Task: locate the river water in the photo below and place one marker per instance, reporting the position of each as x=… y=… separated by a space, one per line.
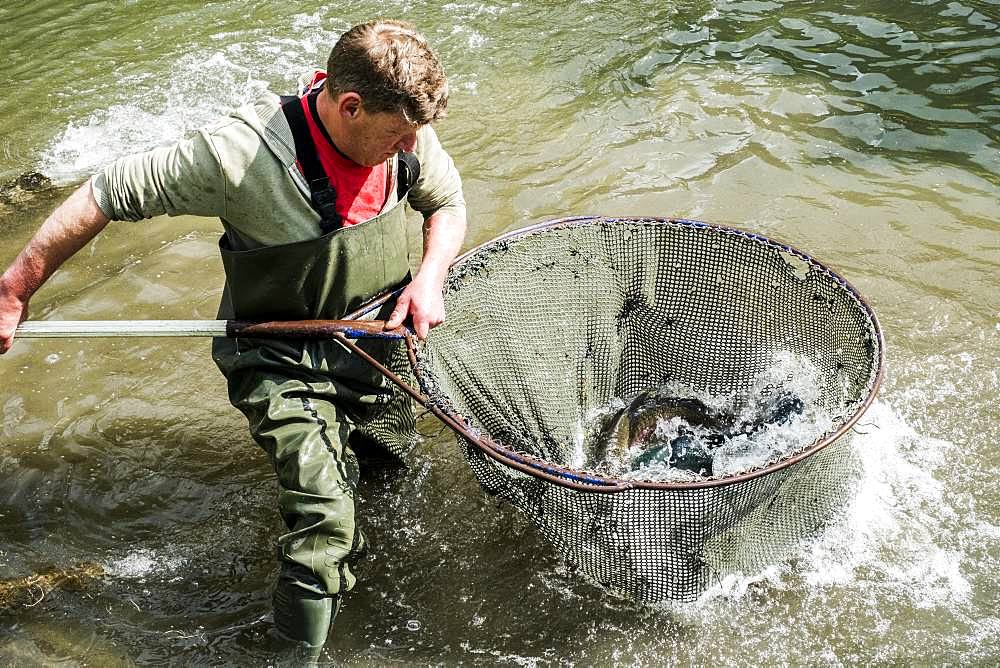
x=865 y=133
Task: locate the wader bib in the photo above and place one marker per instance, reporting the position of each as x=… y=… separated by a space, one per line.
x=303 y=399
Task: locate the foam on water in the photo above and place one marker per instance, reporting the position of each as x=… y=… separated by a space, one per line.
x=889 y=573
x=142 y=563
x=895 y=524
x=202 y=87
x=892 y=533
x=201 y=84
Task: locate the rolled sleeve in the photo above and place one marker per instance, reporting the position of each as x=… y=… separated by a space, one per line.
x=439 y=188
x=185 y=178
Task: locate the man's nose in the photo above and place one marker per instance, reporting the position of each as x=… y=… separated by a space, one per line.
x=408 y=142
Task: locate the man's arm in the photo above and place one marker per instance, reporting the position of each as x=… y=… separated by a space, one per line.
x=437 y=194
x=422 y=299
x=74 y=223
x=186 y=177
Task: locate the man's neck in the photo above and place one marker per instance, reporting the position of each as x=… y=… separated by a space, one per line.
x=332 y=122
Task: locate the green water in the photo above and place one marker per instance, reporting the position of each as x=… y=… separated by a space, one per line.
x=865 y=133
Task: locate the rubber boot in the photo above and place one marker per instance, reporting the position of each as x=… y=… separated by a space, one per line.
x=302 y=618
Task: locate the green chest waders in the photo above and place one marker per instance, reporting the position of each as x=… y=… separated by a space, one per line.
x=304 y=399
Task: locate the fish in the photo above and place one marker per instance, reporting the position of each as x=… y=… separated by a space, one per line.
x=686 y=452
x=781 y=409
x=702 y=429
x=635 y=425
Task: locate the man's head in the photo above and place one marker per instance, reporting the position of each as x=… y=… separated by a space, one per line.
x=393 y=70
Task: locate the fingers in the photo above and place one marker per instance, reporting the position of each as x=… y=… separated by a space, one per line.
x=423 y=322
x=6 y=339
x=424 y=306
x=12 y=314
x=399 y=313
x=7 y=336
x=421 y=328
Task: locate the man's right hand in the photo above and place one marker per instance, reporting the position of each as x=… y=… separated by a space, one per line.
x=74 y=222
x=13 y=311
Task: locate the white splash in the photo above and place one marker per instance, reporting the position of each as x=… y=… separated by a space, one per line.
x=202 y=85
x=201 y=89
x=893 y=533
x=142 y=563
x=894 y=525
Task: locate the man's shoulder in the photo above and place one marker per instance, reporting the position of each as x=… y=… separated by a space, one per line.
x=252 y=115
x=252 y=125
x=428 y=144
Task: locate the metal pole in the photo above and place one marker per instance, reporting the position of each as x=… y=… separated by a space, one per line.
x=289 y=329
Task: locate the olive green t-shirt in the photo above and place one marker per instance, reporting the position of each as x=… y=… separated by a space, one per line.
x=242 y=169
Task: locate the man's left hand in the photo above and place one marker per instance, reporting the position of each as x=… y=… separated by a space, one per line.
x=422 y=301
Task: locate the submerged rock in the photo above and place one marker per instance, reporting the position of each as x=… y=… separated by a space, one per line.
x=21 y=189
x=31 y=589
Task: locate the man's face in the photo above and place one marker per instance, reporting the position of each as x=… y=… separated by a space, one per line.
x=376 y=137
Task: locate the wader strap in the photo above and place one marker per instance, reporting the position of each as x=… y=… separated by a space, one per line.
x=324 y=197
x=408 y=171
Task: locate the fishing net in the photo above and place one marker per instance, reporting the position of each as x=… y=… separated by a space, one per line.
x=549 y=324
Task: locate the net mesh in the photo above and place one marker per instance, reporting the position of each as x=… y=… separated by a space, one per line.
x=548 y=324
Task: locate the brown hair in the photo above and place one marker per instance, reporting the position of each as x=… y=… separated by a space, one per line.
x=391 y=66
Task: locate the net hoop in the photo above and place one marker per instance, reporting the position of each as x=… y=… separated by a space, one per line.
x=594 y=482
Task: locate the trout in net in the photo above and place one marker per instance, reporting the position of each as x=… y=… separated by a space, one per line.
x=634 y=435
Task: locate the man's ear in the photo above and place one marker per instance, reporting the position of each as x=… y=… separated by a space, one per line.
x=349 y=105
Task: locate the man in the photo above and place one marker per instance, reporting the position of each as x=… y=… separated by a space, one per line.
x=310 y=191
